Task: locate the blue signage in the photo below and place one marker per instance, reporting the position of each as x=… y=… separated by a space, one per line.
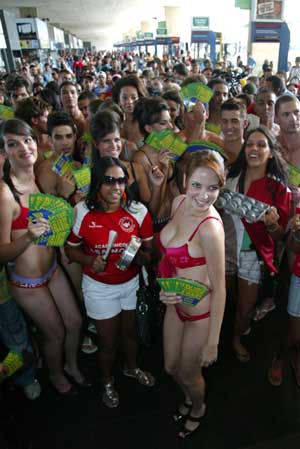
x=266 y=31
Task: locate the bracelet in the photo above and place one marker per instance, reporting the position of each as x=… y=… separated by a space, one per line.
x=272 y=228
x=297 y=240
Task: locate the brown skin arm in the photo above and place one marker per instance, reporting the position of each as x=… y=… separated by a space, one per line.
x=47 y=180
x=76 y=254
x=141 y=159
x=144 y=255
x=141 y=175
x=79 y=120
x=270 y=219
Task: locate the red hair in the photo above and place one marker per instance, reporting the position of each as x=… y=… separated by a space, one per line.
x=209 y=159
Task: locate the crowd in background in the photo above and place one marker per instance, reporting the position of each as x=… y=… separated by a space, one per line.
x=99 y=109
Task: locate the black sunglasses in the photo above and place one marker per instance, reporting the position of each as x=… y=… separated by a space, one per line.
x=110 y=180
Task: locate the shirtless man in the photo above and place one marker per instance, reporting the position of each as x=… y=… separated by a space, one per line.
x=195 y=126
x=287 y=116
x=69 y=100
x=221 y=94
x=35 y=112
x=17 y=88
x=233 y=124
x=62 y=132
x=264 y=108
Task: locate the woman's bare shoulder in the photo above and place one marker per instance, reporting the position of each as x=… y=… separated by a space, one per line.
x=5 y=192
x=212 y=224
x=8 y=204
x=176 y=201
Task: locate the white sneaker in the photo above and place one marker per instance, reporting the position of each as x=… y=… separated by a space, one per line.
x=33 y=390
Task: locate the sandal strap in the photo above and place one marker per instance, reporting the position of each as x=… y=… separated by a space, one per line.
x=194 y=418
x=143 y=377
x=187 y=405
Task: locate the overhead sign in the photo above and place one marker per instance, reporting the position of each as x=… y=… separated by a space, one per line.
x=243 y=4
x=200 y=23
x=269 y=10
x=139 y=35
x=200 y=36
x=162 y=24
x=27 y=30
x=167 y=40
x=266 y=31
x=27 y=34
x=161 y=32
x=148 y=35
x=149 y=41
x=33 y=33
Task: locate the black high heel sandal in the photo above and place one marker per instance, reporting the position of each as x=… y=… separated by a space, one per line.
x=178 y=416
x=188 y=433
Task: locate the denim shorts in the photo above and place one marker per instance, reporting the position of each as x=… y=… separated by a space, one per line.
x=293 y=307
x=248 y=267
x=13 y=334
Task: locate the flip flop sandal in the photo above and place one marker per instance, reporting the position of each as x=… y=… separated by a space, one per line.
x=261 y=312
x=275 y=373
x=242 y=357
x=88 y=346
x=143 y=377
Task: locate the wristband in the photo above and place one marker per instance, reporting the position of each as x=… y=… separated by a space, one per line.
x=297 y=240
x=272 y=228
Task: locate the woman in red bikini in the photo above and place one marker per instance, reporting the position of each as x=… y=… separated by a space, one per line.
x=37 y=283
x=192 y=244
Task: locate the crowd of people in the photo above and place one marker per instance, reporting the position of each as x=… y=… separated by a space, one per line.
x=99 y=111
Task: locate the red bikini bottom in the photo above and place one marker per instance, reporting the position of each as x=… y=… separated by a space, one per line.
x=184 y=317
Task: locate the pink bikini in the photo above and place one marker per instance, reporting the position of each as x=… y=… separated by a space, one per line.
x=179 y=257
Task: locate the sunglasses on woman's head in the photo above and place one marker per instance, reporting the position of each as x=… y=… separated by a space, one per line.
x=110 y=180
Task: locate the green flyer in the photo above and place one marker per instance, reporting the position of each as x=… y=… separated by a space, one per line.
x=62 y=164
x=190 y=291
x=166 y=139
x=193 y=92
x=58 y=212
x=82 y=178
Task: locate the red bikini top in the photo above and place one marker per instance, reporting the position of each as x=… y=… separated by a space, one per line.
x=21 y=222
x=179 y=256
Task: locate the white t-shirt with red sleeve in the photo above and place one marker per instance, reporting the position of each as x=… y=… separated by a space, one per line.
x=91 y=230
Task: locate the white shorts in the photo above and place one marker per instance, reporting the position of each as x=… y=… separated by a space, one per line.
x=103 y=301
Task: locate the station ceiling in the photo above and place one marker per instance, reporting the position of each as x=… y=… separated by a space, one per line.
x=90 y=19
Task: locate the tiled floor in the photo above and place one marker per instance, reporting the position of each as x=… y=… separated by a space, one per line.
x=243 y=410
